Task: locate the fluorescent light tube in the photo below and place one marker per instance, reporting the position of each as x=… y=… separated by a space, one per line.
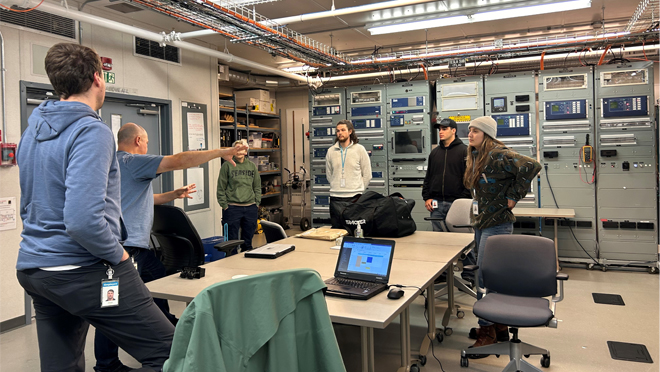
x=419 y=25
x=531 y=10
x=483 y=16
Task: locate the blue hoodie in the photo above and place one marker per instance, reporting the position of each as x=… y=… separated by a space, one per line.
x=70 y=189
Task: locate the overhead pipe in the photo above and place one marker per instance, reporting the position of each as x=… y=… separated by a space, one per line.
x=153 y=36
x=344 y=11
x=320 y=81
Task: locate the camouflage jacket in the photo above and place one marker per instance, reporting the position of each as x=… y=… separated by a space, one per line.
x=507 y=175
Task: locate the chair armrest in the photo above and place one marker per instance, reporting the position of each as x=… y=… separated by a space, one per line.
x=562 y=276
x=470 y=267
x=433 y=219
x=228 y=246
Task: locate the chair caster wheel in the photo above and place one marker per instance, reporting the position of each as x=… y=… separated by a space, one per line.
x=653 y=270
x=460 y=314
x=440 y=337
x=448 y=331
x=545 y=361
x=465 y=362
x=604 y=268
x=473 y=334
x=590 y=266
x=422 y=360
x=414 y=368
x=526 y=355
x=497 y=355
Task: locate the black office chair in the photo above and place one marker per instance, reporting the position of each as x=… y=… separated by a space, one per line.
x=518 y=272
x=458 y=220
x=273 y=231
x=178 y=241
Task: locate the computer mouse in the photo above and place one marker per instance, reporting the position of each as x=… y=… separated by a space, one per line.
x=395 y=293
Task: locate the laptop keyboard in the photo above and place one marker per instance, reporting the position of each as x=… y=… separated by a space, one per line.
x=353 y=283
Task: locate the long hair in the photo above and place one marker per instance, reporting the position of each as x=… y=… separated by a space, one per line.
x=477 y=162
x=349 y=126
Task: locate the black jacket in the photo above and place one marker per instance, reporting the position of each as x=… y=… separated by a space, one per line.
x=444 y=175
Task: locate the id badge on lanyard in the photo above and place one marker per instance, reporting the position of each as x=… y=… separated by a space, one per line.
x=110 y=290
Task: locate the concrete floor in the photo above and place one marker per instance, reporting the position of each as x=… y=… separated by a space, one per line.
x=578 y=344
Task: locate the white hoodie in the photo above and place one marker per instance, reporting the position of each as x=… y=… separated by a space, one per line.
x=357 y=170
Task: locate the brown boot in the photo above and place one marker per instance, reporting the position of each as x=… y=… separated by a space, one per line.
x=485 y=336
x=501 y=333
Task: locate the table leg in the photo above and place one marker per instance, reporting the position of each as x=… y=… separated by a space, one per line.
x=450 y=294
x=367 y=346
x=430 y=310
x=405 y=340
x=557 y=245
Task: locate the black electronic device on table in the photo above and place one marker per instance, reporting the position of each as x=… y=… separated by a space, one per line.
x=363 y=268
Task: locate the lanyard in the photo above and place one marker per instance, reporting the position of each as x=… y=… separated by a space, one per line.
x=343 y=157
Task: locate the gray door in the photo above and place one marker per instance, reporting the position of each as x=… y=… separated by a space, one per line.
x=146 y=115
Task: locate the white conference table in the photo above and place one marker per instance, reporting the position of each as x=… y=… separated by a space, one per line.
x=418 y=260
x=553 y=213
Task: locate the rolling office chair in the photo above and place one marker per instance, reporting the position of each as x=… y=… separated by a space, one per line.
x=273 y=231
x=458 y=220
x=518 y=272
x=178 y=241
x=283 y=325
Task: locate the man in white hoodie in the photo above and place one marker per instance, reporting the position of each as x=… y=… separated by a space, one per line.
x=348 y=168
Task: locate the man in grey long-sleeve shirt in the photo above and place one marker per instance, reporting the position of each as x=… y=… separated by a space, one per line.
x=348 y=169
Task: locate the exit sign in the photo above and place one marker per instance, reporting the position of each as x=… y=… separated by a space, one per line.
x=109 y=77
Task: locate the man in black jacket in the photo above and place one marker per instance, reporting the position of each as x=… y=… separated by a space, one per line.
x=444 y=178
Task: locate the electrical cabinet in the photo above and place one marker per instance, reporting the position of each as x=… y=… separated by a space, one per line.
x=566 y=115
x=626 y=164
x=409 y=142
x=460 y=99
x=326 y=108
x=366 y=110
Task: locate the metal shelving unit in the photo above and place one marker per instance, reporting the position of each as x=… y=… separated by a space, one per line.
x=274 y=199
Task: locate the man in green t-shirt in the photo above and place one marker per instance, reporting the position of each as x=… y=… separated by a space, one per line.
x=239 y=195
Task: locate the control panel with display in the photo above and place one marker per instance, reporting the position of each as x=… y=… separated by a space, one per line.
x=569 y=109
x=512 y=125
x=498 y=104
x=625 y=106
x=326 y=110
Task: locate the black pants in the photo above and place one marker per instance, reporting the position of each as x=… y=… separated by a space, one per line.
x=66 y=302
x=149 y=268
x=244 y=218
x=337 y=206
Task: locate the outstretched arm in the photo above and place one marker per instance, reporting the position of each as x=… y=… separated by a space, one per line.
x=189 y=159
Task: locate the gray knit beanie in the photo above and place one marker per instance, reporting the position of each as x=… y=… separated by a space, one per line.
x=486 y=124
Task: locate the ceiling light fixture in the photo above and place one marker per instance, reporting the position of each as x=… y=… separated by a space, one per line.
x=482 y=16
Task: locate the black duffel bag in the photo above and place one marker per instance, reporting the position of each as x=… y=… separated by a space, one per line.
x=379 y=215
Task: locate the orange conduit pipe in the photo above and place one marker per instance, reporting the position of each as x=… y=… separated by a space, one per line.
x=600 y=61
x=426 y=75
x=542 y=57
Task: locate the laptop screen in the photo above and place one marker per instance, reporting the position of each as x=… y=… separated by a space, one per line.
x=365 y=259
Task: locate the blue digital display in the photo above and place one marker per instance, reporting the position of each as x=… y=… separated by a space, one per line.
x=396 y=121
x=320 y=153
x=562 y=110
x=625 y=106
x=326 y=110
x=512 y=125
x=321 y=180
x=366 y=123
x=377 y=174
x=408 y=101
x=366 y=111
x=324 y=132
x=321 y=200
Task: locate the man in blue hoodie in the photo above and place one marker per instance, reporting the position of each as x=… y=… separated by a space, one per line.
x=71 y=252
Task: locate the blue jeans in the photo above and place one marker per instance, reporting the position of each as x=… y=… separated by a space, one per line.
x=244 y=218
x=480 y=237
x=150 y=268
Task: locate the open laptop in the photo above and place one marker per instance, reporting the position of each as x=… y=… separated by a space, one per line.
x=363 y=268
x=270 y=250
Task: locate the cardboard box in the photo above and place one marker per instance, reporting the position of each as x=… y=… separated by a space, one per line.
x=240 y=103
x=273 y=106
x=259 y=94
